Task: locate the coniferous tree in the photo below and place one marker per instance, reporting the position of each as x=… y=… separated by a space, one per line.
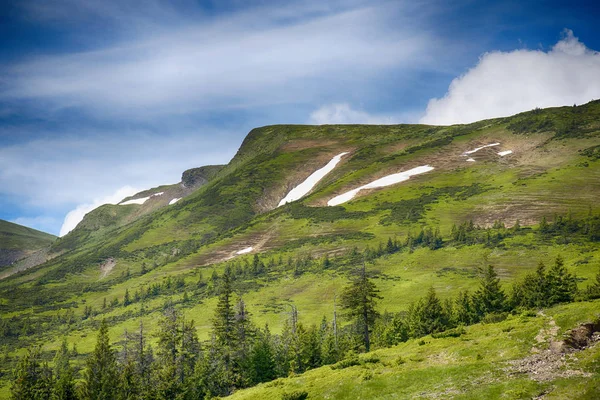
x=490 y=296
x=359 y=300
x=224 y=320
x=64 y=384
x=126 y=298
x=562 y=285
x=100 y=375
x=593 y=290
x=262 y=359
x=428 y=315
x=32 y=379
x=177 y=354
x=465 y=313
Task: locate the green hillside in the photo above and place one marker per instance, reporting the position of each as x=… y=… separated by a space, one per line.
x=17 y=242
x=438 y=229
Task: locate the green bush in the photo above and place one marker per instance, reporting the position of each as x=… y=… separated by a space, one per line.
x=295 y=396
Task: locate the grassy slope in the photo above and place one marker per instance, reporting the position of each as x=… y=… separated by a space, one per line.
x=475 y=365
x=21 y=241
x=547 y=174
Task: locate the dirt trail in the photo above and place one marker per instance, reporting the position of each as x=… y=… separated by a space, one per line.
x=549 y=357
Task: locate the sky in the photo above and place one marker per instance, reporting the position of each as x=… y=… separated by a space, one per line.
x=100 y=99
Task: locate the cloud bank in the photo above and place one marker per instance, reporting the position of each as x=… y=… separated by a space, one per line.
x=506 y=83
x=343 y=113
x=75 y=216
x=255 y=57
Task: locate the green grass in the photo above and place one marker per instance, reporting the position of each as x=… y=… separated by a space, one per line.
x=553 y=171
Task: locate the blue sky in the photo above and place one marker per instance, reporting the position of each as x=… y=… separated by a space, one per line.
x=99 y=99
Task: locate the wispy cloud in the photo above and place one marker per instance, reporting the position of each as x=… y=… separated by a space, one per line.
x=238 y=60
x=343 y=113
x=506 y=83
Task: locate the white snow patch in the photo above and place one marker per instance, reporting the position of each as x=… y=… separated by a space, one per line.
x=470 y=160
x=381 y=182
x=245 y=251
x=505 y=153
x=174 y=201
x=479 y=148
x=141 y=200
x=302 y=189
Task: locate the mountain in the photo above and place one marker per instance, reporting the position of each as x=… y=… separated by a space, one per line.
x=18 y=242
x=421 y=206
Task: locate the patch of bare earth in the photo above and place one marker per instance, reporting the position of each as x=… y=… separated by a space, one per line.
x=107 y=266
x=551 y=358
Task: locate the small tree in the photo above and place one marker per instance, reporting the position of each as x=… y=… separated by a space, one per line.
x=64 y=385
x=490 y=297
x=562 y=285
x=359 y=300
x=100 y=376
x=32 y=379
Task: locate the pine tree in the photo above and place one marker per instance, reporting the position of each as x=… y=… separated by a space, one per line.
x=262 y=360
x=32 y=379
x=64 y=384
x=224 y=320
x=562 y=285
x=428 y=315
x=465 y=312
x=593 y=290
x=490 y=297
x=100 y=375
x=126 y=299
x=535 y=289
x=359 y=300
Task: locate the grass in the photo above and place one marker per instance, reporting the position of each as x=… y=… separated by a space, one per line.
x=551 y=172
x=472 y=366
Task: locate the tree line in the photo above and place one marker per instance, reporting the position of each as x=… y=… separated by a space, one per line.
x=240 y=355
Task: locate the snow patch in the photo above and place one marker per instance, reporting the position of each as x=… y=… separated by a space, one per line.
x=174 y=201
x=479 y=148
x=135 y=201
x=302 y=189
x=141 y=200
x=505 y=153
x=381 y=182
x=470 y=160
x=245 y=251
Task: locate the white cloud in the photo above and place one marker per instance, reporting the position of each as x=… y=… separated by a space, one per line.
x=342 y=113
x=249 y=58
x=75 y=216
x=54 y=175
x=506 y=83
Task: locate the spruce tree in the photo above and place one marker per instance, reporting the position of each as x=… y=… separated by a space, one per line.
x=64 y=385
x=562 y=285
x=224 y=320
x=100 y=375
x=359 y=300
x=465 y=313
x=262 y=360
x=32 y=379
x=490 y=297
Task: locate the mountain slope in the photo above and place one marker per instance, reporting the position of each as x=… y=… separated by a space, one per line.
x=175 y=254
x=17 y=242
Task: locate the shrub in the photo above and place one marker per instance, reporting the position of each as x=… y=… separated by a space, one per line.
x=295 y=396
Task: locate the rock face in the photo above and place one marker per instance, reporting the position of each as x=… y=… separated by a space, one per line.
x=196 y=177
